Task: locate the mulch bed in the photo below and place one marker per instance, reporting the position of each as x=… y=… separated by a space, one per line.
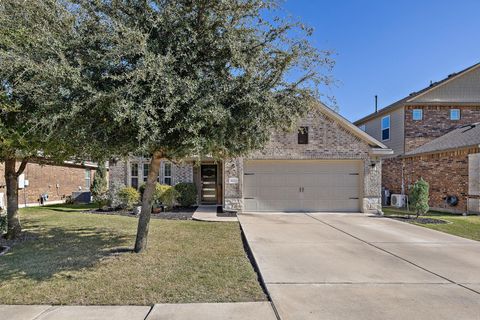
x=225 y=213
x=421 y=220
x=177 y=213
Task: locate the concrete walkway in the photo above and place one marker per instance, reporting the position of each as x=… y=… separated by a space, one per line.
x=351 y=266
x=209 y=213
x=198 y=311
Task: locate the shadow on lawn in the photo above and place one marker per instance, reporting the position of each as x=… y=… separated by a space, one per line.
x=56 y=250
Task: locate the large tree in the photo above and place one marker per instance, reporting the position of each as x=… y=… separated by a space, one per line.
x=202 y=77
x=49 y=67
x=32 y=42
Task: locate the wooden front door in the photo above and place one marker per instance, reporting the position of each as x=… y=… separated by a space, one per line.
x=208 y=174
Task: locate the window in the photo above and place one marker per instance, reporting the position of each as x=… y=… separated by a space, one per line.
x=88 y=178
x=454 y=114
x=303 y=135
x=146 y=166
x=363 y=127
x=386 y=128
x=417 y=114
x=167 y=173
x=134 y=175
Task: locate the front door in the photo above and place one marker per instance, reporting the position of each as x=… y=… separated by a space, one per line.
x=209 y=183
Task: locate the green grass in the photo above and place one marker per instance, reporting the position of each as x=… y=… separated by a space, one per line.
x=463 y=226
x=68 y=260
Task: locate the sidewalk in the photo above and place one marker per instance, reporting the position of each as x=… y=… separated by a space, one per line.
x=209 y=213
x=197 y=311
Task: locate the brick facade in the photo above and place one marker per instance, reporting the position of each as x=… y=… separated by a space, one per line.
x=446 y=172
x=56 y=181
x=435 y=123
x=328 y=140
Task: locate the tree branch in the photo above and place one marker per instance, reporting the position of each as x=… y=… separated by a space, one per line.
x=22 y=167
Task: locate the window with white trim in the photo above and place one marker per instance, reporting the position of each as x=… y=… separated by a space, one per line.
x=167 y=173
x=454 y=114
x=386 y=128
x=146 y=167
x=417 y=114
x=134 y=175
x=88 y=178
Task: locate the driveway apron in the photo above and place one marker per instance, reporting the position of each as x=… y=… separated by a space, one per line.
x=353 y=266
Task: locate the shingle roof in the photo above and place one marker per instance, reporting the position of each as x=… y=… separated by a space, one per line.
x=464 y=136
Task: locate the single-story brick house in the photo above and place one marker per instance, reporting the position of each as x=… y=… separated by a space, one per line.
x=451 y=165
x=328 y=165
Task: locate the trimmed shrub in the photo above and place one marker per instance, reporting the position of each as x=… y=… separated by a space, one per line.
x=113 y=198
x=168 y=195
x=419 y=197
x=128 y=197
x=99 y=187
x=187 y=194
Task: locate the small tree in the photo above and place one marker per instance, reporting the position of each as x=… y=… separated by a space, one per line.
x=99 y=187
x=419 y=197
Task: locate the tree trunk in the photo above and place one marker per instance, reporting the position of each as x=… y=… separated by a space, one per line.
x=144 y=220
x=11 y=179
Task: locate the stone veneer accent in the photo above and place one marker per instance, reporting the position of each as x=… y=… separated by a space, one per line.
x=435 y=123
x=328 y=140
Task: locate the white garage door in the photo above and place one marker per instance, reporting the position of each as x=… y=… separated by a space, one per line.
x=302 y=185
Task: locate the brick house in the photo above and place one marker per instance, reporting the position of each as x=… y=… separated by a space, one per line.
x=412 y=123
x=57 y=181
x=328 y=165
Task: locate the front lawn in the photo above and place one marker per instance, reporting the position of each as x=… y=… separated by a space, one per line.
x=71 y=257
x=463 y=226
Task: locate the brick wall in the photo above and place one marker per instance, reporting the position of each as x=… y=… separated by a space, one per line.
x=57 y=181
x=327 y=140
x=435 y=123
x=447 y=174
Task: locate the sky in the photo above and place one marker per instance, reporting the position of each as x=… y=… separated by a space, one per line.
x=390 y=48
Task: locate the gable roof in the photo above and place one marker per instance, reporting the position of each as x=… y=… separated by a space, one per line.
x=462 y=137
x=412 y=97
x=350 y=127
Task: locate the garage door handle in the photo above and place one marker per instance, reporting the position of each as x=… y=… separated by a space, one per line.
x=248 y=198
x=353 y=198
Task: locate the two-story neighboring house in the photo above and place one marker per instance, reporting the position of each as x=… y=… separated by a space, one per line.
x=421 y=130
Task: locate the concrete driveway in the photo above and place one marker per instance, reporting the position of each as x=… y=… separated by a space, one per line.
x=352 y=266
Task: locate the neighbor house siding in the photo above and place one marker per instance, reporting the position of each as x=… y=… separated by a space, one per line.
x=447 y=174
x=374 y=128
x=435 y=123
x=58 y=182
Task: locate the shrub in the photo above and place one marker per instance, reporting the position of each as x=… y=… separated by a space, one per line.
x=187 y=194
x=128 y=197
x=114 y=200
x=99 y=187
x=419 y=197
x=159 y=189
x=168 y=196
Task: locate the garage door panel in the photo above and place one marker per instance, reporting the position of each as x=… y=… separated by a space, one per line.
x=302 y=185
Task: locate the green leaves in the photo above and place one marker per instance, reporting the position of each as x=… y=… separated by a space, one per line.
x=419 y=197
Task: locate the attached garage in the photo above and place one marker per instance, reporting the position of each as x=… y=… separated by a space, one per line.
x=326 y=165
x=303 y=185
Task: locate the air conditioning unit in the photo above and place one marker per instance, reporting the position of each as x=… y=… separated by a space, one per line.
x=398 y=200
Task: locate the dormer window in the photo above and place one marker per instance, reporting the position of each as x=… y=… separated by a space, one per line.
x=454 y=114
x=303 y=135
x=417 y=114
